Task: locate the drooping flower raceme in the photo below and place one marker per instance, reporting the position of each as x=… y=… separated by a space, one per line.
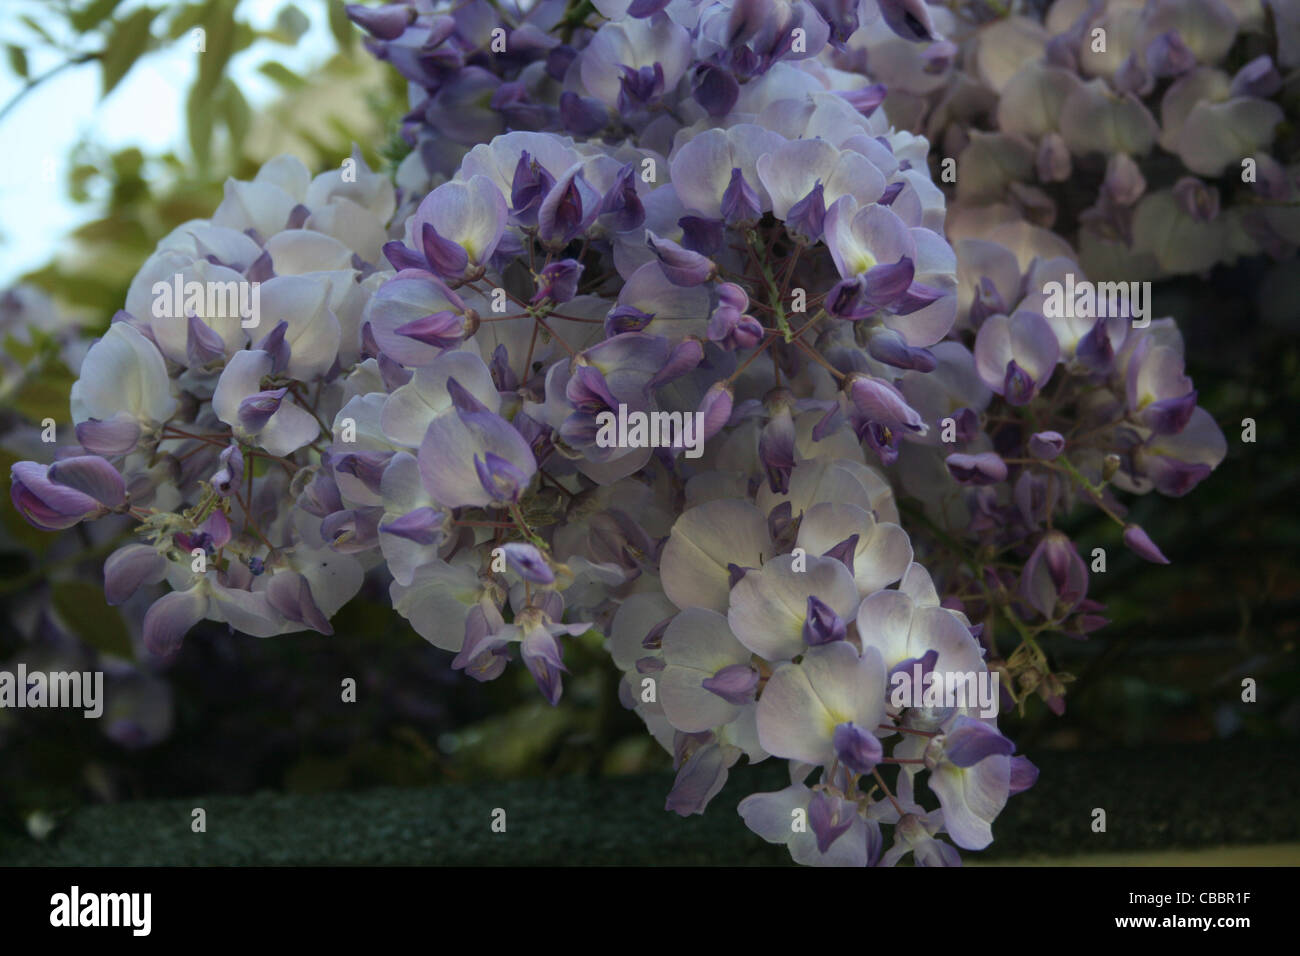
x=660 y=325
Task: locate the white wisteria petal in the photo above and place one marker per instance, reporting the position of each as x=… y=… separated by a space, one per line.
x=705 y=539
x=123 y=373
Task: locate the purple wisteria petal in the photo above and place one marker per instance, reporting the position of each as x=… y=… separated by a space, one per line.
x=1023 y=775
x=569 y=207
x=969 y=741
x=698 y=781
x=622 y=204
x=116 y=436
x=828 y=820
x=1046 y=445
x=910 y=19
x=986 y=468
x=1054 y=579
x=290 y=594
x=256 y=410
x=202 y=344
x=822 y=625
x=582 y=115
x=448 y=258
x=715 y=173
x=681 y=266
x=857 y=748
x=769 y=606
x=880 y=402
x=527 y=562
x=1018 y=351
x=441 y=330
x=169 y=619
x=886 y=345
x=735 y=683
x=703 y=684
x=1141 y=544
x=474 y=458
x=387 y=22
x=46 y=504
x=410 y=297
x=740 y=201
x=471 y=215
x=716 y=89
x=544 y=659
x=129 y=568
x=90 y=475
x=972 y=798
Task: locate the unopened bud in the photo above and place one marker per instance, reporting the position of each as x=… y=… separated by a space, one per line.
x=1109 y=465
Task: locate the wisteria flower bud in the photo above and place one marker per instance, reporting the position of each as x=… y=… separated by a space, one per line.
x=986 y=468
x=1054 y=579
x=716 y=407
x=857 y=747
x=1053 y=163
x=739 y=200
x=1168 y=55
x=1124 y=180
x=558 y=281
x=385 y=23
x=822 y=625
x=1046 y=445
x=735 y=683
x=1197 y=199
x=1258 y=78
x=527 y=562
x=680 y=265
x=1141 y=544
x=716 y=89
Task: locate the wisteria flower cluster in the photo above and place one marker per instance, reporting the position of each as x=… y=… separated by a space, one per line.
x=1153 y=134
x=661 y=332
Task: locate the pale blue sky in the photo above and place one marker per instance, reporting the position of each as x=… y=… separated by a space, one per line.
x=146 y=109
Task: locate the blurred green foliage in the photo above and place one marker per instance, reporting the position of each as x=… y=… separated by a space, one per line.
x=134 y=199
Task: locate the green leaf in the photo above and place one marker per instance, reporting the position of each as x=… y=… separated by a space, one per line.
x=82 y=606
x=344 y=32
x=219 y=22
x=292 y=22
x=199 y=115
x=80 y=288
x=186 y=18
x=237 y=116
x=17 y=60
x=92 y=14
x=126 y=43
x=127 y=162
x=32 y=24
x=121 y=230
x=282 y=75
x=23 y=352
x=45 y=395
